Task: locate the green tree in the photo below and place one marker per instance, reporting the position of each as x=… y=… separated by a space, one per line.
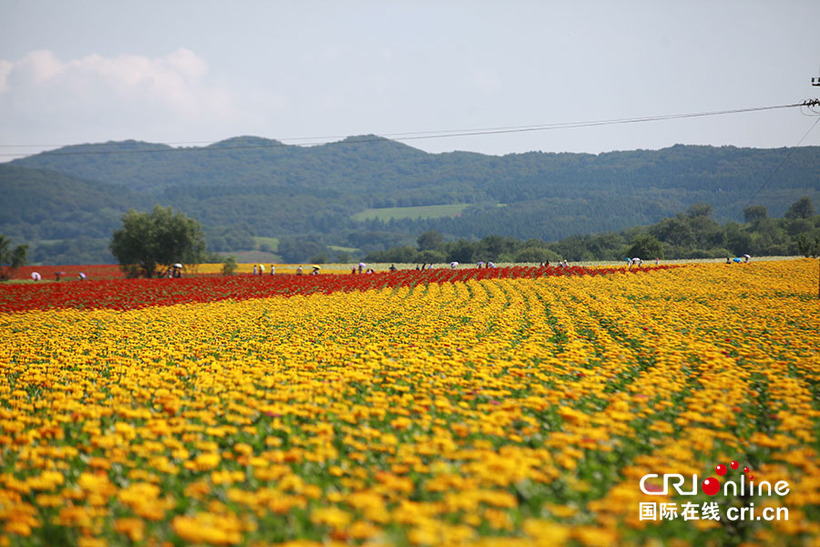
x=160 y=238
x=738 y=239
x=699 y=210
x=492 y=247
x=536 y=254
x=646 y=246
x=574 y=248
x=755 y=213
x=229 y=266
x=807 y=246
x=430 y=240
x=343 y=257
x=802 y=208
x=431 y=257
x=461 y=251
x=318 y=258
x=768 y=239
x=11 y=259
x=300 y=249
x=675 y=231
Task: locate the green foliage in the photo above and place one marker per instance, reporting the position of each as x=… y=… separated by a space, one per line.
x=536 y=254
x=808 y=246
x=699 y=210
x=320 y=258
x=645 y=246
x=430 y=240
x=11 y=259
x=232 y=237
x=490 y=248
x=162 y=237
x=802 y=208
x=461 y=251
x=246 y=188
x=402 y=255
x=343 y=257
x=302 y=249
x=75 y=250
x=675 y=231
x=755 y=213
x=738 y=238
x=430 y=257
x=693 y=234
x=229 y=266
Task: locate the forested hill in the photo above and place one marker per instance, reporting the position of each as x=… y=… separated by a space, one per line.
x=368 y=192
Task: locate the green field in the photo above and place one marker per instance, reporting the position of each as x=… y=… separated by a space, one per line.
x=271 y=242
x=422 y=211
x=256 y=257
x=343 y=249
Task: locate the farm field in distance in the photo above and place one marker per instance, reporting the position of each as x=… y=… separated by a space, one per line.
x=518 y=406
x=420 y=211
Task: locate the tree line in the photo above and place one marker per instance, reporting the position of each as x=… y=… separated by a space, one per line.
x=65 y=204
x=146 y=244
x=691 y=234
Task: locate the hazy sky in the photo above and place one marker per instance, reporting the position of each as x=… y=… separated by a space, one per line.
x=190 y=72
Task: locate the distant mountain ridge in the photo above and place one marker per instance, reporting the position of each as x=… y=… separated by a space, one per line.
x=251 y=186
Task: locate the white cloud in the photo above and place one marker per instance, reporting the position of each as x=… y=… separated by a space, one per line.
x=126 y=91
x=5 y=69
x=40 y=66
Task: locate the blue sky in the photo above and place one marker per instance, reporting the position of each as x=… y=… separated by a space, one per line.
x=190 y=72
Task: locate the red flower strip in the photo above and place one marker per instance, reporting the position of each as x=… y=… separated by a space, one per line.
x=126 y=294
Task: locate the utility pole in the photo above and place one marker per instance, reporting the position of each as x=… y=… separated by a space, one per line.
x=815 y=82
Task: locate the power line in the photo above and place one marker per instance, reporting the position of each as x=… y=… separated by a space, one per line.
x=411 y=136
x=572 y=125
x=779 y=165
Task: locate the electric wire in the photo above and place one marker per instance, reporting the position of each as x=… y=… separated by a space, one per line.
x=771 y=175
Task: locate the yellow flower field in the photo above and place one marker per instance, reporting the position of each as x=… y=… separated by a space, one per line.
x=502 y=411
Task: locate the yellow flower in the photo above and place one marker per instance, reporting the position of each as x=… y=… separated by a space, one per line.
x=208 y=528
x=204 y=462
x=330 y=516
x=131 y=527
